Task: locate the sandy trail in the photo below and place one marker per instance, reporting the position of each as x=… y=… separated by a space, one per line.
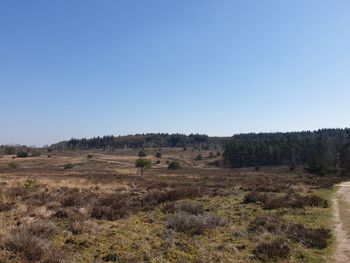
x=341 y=223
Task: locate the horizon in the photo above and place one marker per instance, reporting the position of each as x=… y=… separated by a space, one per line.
x=186 y=134
x=83 y=69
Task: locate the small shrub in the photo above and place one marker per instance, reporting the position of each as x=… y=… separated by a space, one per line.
x=211 y=155
x=271 y=223
x=6 y=206
x=294 y=201
x=272 y=250
x=13 y=165
x=216 y=163
x=199 y=157
x=142 y=153
x=314 y=201
x=68 y=166
x=158 y=155
x=254 y=197
x=22 y=154
x=42 y=228
x=190 y=208
x=313 y=238
x=31 y=184
x=61 y=214
x=276 y=202
x=28 y=241
x=76 y=226
x=70 y=200
x=110 y=258
x=174 y=165
x=194 y=224
x=89 y=156
x=111 y=207
x=158 y=197
x=320 y=168
x=35 y=154
x=158 y=162
x=55 y=255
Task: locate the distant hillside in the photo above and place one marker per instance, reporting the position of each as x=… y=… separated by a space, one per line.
x=142 y=141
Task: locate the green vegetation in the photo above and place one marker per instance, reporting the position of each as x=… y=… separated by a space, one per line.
x=174 y=165
x=22 y=154
x=320 y=168
x=298 y=148
x=35 y=154
x=142 y=153
x=199 y=157
x=345 y=156
x=68 y=166
x=144 y=164
x=13 y=165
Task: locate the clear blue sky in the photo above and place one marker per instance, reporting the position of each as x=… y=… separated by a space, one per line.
x=88 y=68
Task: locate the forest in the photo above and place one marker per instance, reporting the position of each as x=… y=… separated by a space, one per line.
x=292 y=148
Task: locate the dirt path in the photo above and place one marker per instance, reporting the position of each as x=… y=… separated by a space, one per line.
x=341 y=217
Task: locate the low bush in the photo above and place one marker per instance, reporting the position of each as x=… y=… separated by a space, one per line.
x=294 y=201
x=211 y=155
x=194 y=224
x=111 y=207
x=190 y=208
x=216 y=163
x=174 y=165
x=42 y=228
x=13 y=165
x=199 y=157
x=254 y=197
x=28 y=246
x=70 y=200
x=35 y=154
x=272 y=250
x=314 y=201
x=6 y=206
x=22 y=154
x=111 y=257
x=68 y=166
x=320 y=168
x=158 y=155
x=30 y=241
x=31 y=184
x=158 y=197
x=271 y=223
x=313 y=238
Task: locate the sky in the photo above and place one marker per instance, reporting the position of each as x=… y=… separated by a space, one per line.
x=91 y=68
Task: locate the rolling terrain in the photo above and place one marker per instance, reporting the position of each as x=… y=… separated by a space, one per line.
x=95 y=206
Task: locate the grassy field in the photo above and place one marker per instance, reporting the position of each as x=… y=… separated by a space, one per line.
x=96 y=207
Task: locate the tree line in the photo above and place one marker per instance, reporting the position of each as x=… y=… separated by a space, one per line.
x=141 y=141
x=291 y=148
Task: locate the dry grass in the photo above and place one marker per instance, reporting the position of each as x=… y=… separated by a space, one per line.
x=102 y=209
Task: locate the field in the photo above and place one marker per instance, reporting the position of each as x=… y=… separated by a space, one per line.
x=95 y=206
